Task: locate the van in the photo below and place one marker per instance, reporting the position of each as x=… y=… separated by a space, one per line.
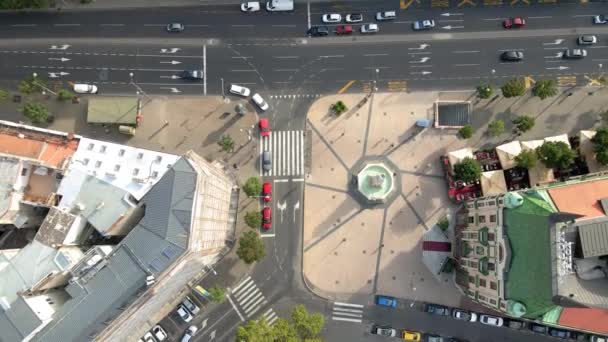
x=279 y=5
x=387 y=15
x=85 y=89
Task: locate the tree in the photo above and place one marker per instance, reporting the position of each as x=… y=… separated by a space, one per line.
x=3 y=95
x=604 y=116
x=253 y=186
x=545 y=88
x=22 y=4
x=468 y=170
x=555 y=154
x=217 y=294
x=523 y=123
x=253 y=219
x=339 y=107
x=64 y=95
x=526 y=159
x=251 y=248
x=600 y=145
x=303 y=327
x=306 y=325
x=255 y=331
x=513 y=88
x=602 y=157
x=496 y=127
x=484 y=91
x=37 y=113
x=226 y=143
x=284 y=331
x=466 y=131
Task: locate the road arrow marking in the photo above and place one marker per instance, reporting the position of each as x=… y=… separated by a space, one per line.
x=282 y=207
x=421 y=73
x=295 y=208
x=173 y=77
x=58 y=74
x=557 y=55
x=449 y=27
x=450 y=14
x=63 y=59
x=171 y=62
x=63 y=47
x=421 y=47
x=422 y=60
x=561 y=67
x=172 y=50
x=173 y=90
x=556 y=42
x=204 y=324
x=212 y=335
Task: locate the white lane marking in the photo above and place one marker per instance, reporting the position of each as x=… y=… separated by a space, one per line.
x=189 y=25
x=286 y=57
x=514 y=49
x=419 y=53
x=241 y=70
x=111 y=24
x=332 y=56
x=267 y=235
x=375 y=54
x=235 y=308
x=346 y=319
x=244 y=25
x=554 y=48
x=253 y=302
x=348 y=314
x=541 y=17
x=241 y=57
x=205 y=69
x=464 y=65
x=245 y=290
x=243 y=282
x=23 y=25
x=281 y=180
x=308 y=9
x=297 y=180
x=421 y=66
x=258 y=308
x=583 y=15
x=403 y=22
x=66 y=24
x=378 y=67
x=285 y=70
x=600 y=60
x=472 y=51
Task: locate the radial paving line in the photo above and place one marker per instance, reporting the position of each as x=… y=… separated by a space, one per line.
x=346 y=86
x=205 y=69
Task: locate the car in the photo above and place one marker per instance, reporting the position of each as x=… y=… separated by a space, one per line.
x=516 y=22
x=491 y=320
x=423 y=24
x=386 y=15
x=259 y=101
x=411 y=335
x=190 y=332
x=191 y=75
x=332 y=18
x=251 y=6
x=436 y=309
x=575 y=53
x=267 y=217
x=267 y=191
x=183 y=313
x=516 y=324
x=159 y=333
x=586 y=40
x=387 y=301
x=384 y=331
x=369 y=28
x=464 y=315
x=559 y=333
x=264 y=127
x=512 y=56
x=175 y=27
x=539 y=329
x=318 y=31
x=266 y=161
x=148 y=337
x=344 y=29
x=189 y=304
x=354 y=18
x=81 y=88
x=600 y=19
x=239 y=90
x=596 y=338
x=433 y=338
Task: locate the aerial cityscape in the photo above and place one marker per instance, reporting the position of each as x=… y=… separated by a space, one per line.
x=303 y=170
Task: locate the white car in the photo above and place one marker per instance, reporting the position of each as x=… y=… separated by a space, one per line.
x=587 y=40
x=183 y=313
x=491 y=320
x=239 y=90
x=600 y=19
x=148 y=337
x=252 y=6
x=332 y=18
x=259 y=101
x=354 y=18
x=189 y=333
x=369 y=28
x=159 y=333
x=189 y=304
x=387 y=15
x=424 y=24
x=85 y=88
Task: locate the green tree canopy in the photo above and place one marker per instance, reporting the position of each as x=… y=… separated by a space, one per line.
x=303 y=327
x=253 y=219
x=545 y=89
x=600 y=145
x=526 y=159
x=514 y=87
x=468 y=170
x=37 y=113
x=251 y=248
x=22 y=4
x=64 y=95
x=217 y=294
x=306 y=325
x=466 y=131
x=255 y=331
x=226 y=143
x=555 y=154
x=524 y=123
x=484 y=91
x=253 y=186
x=4 y=95
x=496 y=127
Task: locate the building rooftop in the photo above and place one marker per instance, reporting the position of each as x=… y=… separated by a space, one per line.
x=581 y=198
x=594 y=238
x=120 y=110
x=585 y=318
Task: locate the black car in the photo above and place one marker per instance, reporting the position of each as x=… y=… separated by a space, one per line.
x=559 y=333
x=436 y=309
x=539 y=329
x=318 y=31
x=512 y=56
x=516 y=325
x=191 y=74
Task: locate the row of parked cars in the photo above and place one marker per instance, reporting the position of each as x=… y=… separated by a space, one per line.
x=354 y=18
x=186 y=310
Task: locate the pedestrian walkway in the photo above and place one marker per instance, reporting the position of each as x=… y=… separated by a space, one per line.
x=249 y=299
x=270 y=316
x=347 y=312
x=287 y=152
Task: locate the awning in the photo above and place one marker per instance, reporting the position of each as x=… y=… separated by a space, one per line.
x=507 y=153
x=493 y=183
x=457 y=156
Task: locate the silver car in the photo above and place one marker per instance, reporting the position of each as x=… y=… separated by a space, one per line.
x=587 y=40
x=189 y=304
x=266 y=161
x=424 y=24
x=575 y=53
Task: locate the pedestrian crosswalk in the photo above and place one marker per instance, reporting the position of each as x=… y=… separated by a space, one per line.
x=286 y=151
x=248 y=297
x=347 y=312
x=270 y=316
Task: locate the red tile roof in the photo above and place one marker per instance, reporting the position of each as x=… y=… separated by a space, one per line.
x=585 y=319
x=582 y=198
x=49 y=151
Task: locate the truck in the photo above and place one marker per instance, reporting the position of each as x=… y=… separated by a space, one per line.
x=279 y=5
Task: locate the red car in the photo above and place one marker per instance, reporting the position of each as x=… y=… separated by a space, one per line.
x=346 y=29
x=267 y=218
x=264 y=127
x=516 y=22
x=267 y=191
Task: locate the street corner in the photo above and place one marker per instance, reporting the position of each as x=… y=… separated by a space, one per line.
x=344 y=259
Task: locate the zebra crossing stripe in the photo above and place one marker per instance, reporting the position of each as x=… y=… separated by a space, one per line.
x=287 y=152
x=254 y=304
x=247 y=295
x=349 y=304
x=347 y=312
x=258 y=307
x=270 y=316
x=241 y=284
x=251 y=300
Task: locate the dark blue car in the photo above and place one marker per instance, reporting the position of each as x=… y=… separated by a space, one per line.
x=387 y=301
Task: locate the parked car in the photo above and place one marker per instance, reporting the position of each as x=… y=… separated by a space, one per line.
x=190 y=332
x=189 y=304
x=516 y=324
x=600 y=19
x=266 y=217
x=148 y=337
x=81 y=88
x=239 y=90
x=384 y=331
x=264 y=127
x=423 y=24
x=436 y=309
x=159 y=333
x=354 y=18
x=596 y=338
x=491 y=320
x=559 y=333
x=332 y=18
x=175 y=27
x=539 y=328
x=516 y=22
x=318 y=31
x=345 y=29
x=191 y=75
x=251 y=6
x=575 y=53
x=464 y=315
x=587 y=40
x=267 y=191
x=259 y=101
x=512 y=56
x=266 y=161
x=433 y=338
x=387 y=301
x=369 y=28
x=386 y=15
x=409 y=335
x=183 y=313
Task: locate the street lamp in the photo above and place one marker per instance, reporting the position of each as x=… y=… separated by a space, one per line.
x=377 y=79
x=44 y=89
x=415 y=297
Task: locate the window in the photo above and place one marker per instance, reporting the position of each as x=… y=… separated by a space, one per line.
x=482 y=282
x=471 y=219
x=98 y=163
x=121 y=152
x=140 y=155
x=85 y=161
x=116 y=168
x=491 y=266
x=90 y=147
x=480 y=205
x=492 y=203
x=24 y=171
x=473 y=264
x=135 y=171
x=159 y=159
x=500 y=201
x=493 y=285
x=491 y=236
x=492 y=218
x=493 y=301
x=154 y=174
x=471 y=279
x=471 y=293
x=482 y=297
x=482 y=219
x=479 y=250
x=103 y=149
